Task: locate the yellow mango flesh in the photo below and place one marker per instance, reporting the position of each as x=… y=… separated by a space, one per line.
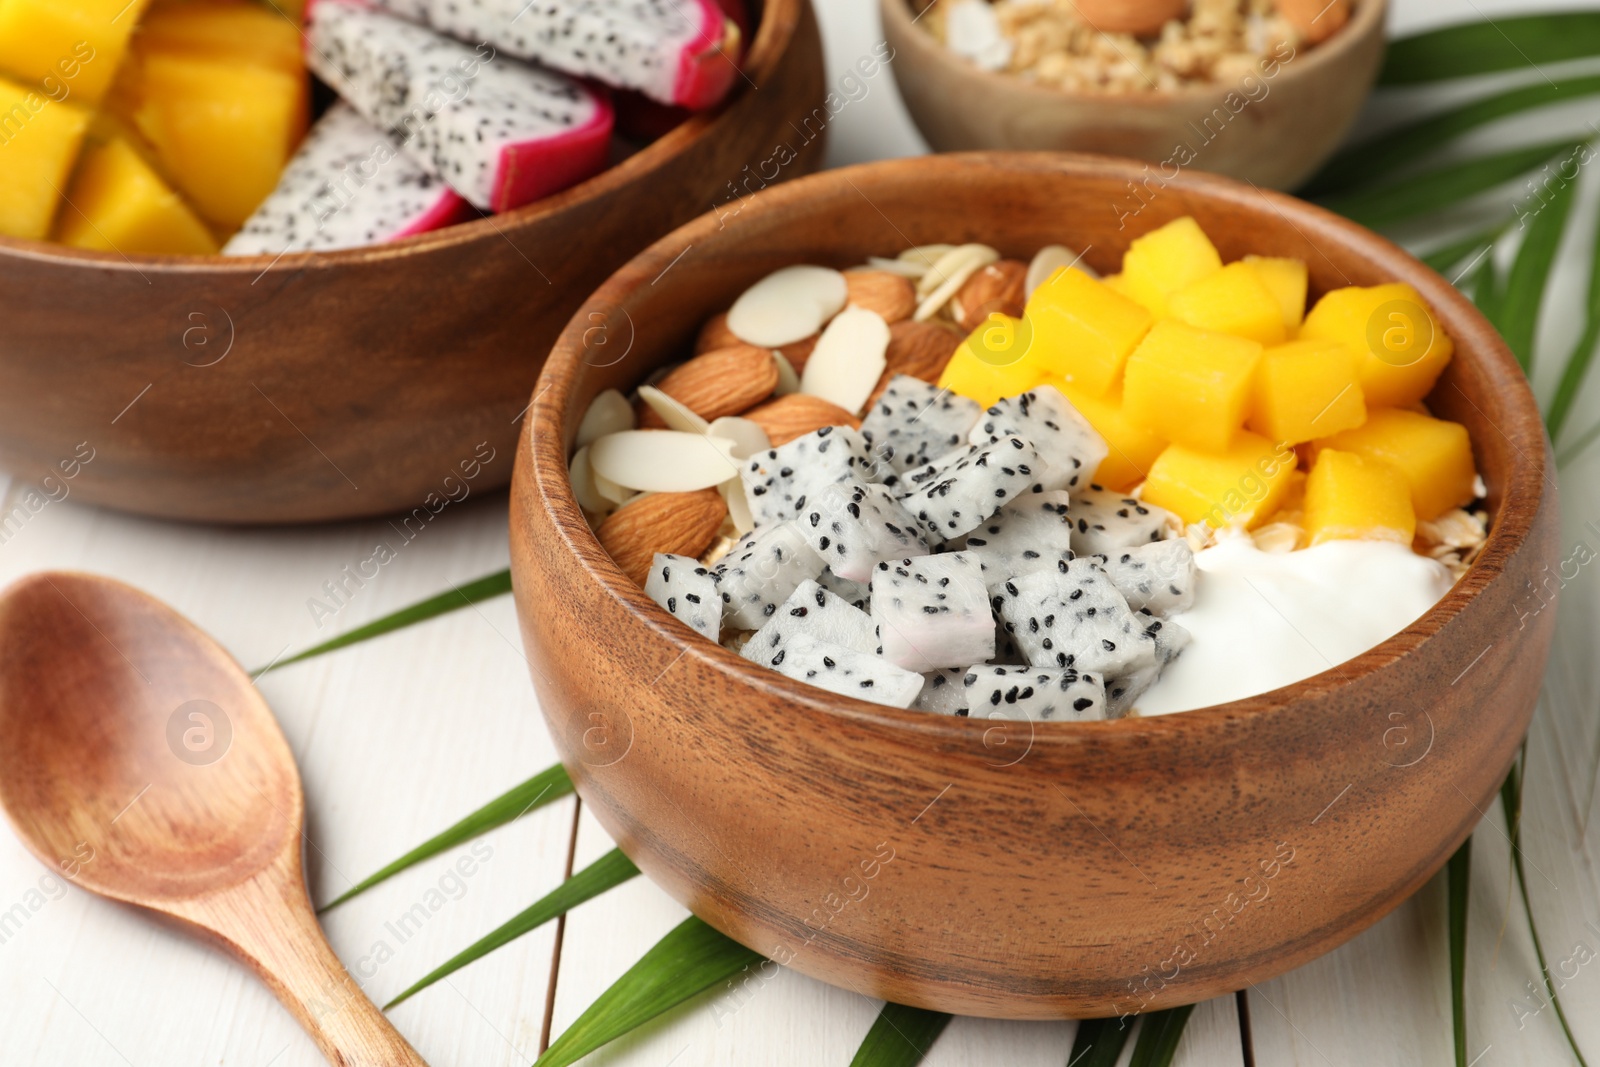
x=249 y=32
x=1191 y=386
x=1403 y=349
x=1132 y=447
x=1349 y=498
x=1287 y=280
x=1232 y=300
x=39 y=142
x=990 y=363
x=117 y=203
x=1167 y=260
x=70 y=49
x=1305 y=390
x=1115 y=283
x=1244 y=484
x=1083 y=331
x=1433 y=455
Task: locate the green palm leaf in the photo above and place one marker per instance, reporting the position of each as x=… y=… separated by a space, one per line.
x=1436 y=189
x=1459 y=875
x=1516 y=309
x=1159 y=1037
x=548 y=785
x=900 y=1037
x=1099 y=1043
x=1582 y=357
x=1468 y=248
x=688 y=961
x=1485 y=47
x=1579 y=446
x=607 y=872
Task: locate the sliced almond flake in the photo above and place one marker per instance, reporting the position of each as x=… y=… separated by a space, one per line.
x=609 y=412
x=788 y=377
x=925 y=256
x=615 y=495
x=746 y=438
x=1050 y=259
x=955 y=269
x=662 y=461
x=904 y=268
x=676 y=415
x=719 y=548
x=739 y=512
x=583 y=487
x=849 y=359
x=942 y=269
x=787 y=305
x=1278 y=537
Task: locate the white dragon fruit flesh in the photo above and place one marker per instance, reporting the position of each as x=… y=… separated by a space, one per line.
x=688 y=591
x=1074 y=617
x=1032 y=533
x=1043 y=694
x=853 y=525
x=501 y=132
x=847 y=672
x=1069 y=448
x=1170 y=640
x=348 y=185
x=779 y=481
x=1159 y=576
x=1104 y=522
x=933 y=612
x=972 y=487
x=856 y=594
x=915 y=422
x=942 y=692
x=761 y=572
x=683 y=52
x=814 y=612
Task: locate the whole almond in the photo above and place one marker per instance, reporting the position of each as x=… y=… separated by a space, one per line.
x=999 y=287
x=723 y=382
x=1315 y=20
x=798 y=352
x=918 y=349
x=798 y=414
x=681 y=523
x=1141 y=18
x=714 y=334
x=890 y=295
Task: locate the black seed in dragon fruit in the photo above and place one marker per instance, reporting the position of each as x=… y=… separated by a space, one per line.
x=683 y=52
x=853 y=525
x=1159 y=576
x=688 y=591
x=1043 y=694
x=856 y=594
x=918 y=422
x=779 y=481
x=847 y=672
x=942 y=692
x=500 y=132
x=1123 y=693
x=933 y=612
x=816 y=613
x=1105 y=522
x=972 y=487
x=348 y=185
x=1074 y=617
x=1070 y=450
x=761 y=571
x=1032 y=533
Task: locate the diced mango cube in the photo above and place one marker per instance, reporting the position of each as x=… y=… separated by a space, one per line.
x=1232 y=300
x=69 y=48
x=1241 y=486
x=247 y=31
x=1305 y=390
x=1349 y=498
x=1133 y=448
x=1435 y=456
x=1287 y=280
x=1117 y=284
x=990 y=363
x=1166 y=260
x=39 y=141
x=1402 y=345
x=117 y=203
x=1190 y=386
x=1083 y=331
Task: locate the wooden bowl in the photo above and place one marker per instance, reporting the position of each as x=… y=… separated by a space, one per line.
x=334 y=385
x=1026 y=871
x=1275 y=131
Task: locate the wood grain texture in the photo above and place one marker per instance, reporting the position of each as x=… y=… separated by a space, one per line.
x=1041 y=871
x=1274 y=131
x=333 y=385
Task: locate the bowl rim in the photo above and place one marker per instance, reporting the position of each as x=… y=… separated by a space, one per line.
x=1369 y=18
x=779 y=21
x=543 y=448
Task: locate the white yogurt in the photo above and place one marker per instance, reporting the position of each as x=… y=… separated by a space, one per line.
x=1263 y=620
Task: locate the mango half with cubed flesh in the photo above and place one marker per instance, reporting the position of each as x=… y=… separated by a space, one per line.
x=118 y=203
x=70 y=49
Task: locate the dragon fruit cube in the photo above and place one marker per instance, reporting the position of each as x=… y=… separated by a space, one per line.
x=761 y=572
x=962 y=495
x=779 y=481
x=1043 y=694
x=1159 y=576
x=942 y=692
x=1032 y=533
x=1070 y=449
x=918 y=422
x=846 y=672
x=1074 y=617
x=853 y=525
x=1105 y=522
x=1170 y=641
x=688 y=591
x=814 y=612
x=856 y=594
x=933 y=612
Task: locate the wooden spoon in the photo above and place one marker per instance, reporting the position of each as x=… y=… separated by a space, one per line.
x=138 y=759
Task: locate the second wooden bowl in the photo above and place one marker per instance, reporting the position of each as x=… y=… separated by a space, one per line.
x=1014 y=871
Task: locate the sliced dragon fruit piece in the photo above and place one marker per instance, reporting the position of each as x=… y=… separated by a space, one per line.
x=1158 y=577
x=761 y=572
x=1074 y=617
x=1032 y=533
x=1070 y=448
x=683 y=52
x=971 y=489
x=814 y=612
x=348 y=185
x=688 y=591
x=1043 y=694
x=846 y=672
x=1105 y=522
x=1170 y=640
x=779 y=480
x=856 y=594
x=918 y=421
x=502 y=133
x=853 y=525
x=942 y=692
x=933 y=612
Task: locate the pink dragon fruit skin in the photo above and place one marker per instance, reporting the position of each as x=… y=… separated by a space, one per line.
x=501 y=132
x=678 y=52
x=347 y=186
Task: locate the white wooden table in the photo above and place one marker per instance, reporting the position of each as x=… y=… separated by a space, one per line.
x=399 y=737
